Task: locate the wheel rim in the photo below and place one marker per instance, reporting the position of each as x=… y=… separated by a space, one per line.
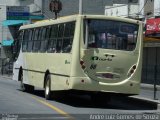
x=47 y=88
x=21 y=79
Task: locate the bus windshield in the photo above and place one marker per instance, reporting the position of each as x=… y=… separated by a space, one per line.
x=110 y=34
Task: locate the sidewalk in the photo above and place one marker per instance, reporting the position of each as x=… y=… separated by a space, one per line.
x=6 y=76
x=147 y=94
x=147 y=91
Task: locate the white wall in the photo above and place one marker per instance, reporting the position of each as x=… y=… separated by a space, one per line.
x=36 y=6
x=7 y=2
x=141 y=5
x=156 y=7
x=117 y=10
x=30 y=3
x=134 y=9
x=2 y=18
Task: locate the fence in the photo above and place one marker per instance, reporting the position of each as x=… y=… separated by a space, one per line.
x=151 y=65
x=6 y=67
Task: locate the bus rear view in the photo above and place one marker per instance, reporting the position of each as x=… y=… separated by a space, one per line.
x=110 y=59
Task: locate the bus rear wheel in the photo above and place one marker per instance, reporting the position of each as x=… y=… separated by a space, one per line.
x=48 y=88
x=25 y=87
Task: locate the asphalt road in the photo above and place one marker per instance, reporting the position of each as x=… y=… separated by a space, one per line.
x=17 y=104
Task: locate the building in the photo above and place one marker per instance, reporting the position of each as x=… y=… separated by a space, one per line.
x=14 y=14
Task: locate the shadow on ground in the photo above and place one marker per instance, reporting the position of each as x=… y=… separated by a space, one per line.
x=84 y=101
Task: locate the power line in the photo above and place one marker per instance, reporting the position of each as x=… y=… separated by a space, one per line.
x=44 y=13
x=143 y=6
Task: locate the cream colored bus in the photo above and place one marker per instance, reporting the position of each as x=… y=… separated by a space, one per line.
x=89 y=53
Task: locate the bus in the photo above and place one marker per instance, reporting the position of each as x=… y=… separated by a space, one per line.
x=96 y=54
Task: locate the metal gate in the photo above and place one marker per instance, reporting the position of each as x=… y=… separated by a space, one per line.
x=151 y=65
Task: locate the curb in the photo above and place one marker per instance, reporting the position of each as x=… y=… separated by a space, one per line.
x=155 y=103
x=4 y=76
x=149 y=86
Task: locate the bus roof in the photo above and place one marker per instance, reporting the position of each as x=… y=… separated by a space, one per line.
x=72 y=18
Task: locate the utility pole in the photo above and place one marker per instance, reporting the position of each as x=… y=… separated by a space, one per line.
x=80 y=7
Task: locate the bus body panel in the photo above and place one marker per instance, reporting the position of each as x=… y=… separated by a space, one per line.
x=118 y=67
x=37 y=65
x=124 y=87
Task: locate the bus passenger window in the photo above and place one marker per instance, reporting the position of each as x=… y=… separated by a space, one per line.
x=17 y=44
x=92 y=41
x=52 y=40
x=30 y=41
x=47 y=38
x=59 y=45
x=39 y=39
x=35 y=40
x=42 y=46
x=60 y=38
x=68 y=37
x=108 y=34
x=25 y=41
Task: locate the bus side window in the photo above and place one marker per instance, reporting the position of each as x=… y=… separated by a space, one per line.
x=53 y=38
x=47 y=36
x=60 y=38
x=35 y=40
x=43 y=41
x=30 y=41
x=25 y=41
x=17 y=45
x=39 y=40
x=68 y=37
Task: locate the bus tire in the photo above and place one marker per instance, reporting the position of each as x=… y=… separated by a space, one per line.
x=25 y=87
x=48 y=87
x=22 y=85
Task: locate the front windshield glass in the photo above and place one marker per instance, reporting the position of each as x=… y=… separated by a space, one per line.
x=110 y=34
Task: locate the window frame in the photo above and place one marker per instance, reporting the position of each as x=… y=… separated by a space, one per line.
x=122 y=38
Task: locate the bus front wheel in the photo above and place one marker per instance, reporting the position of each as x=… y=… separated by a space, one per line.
x=22 y=85
x=48 y=87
